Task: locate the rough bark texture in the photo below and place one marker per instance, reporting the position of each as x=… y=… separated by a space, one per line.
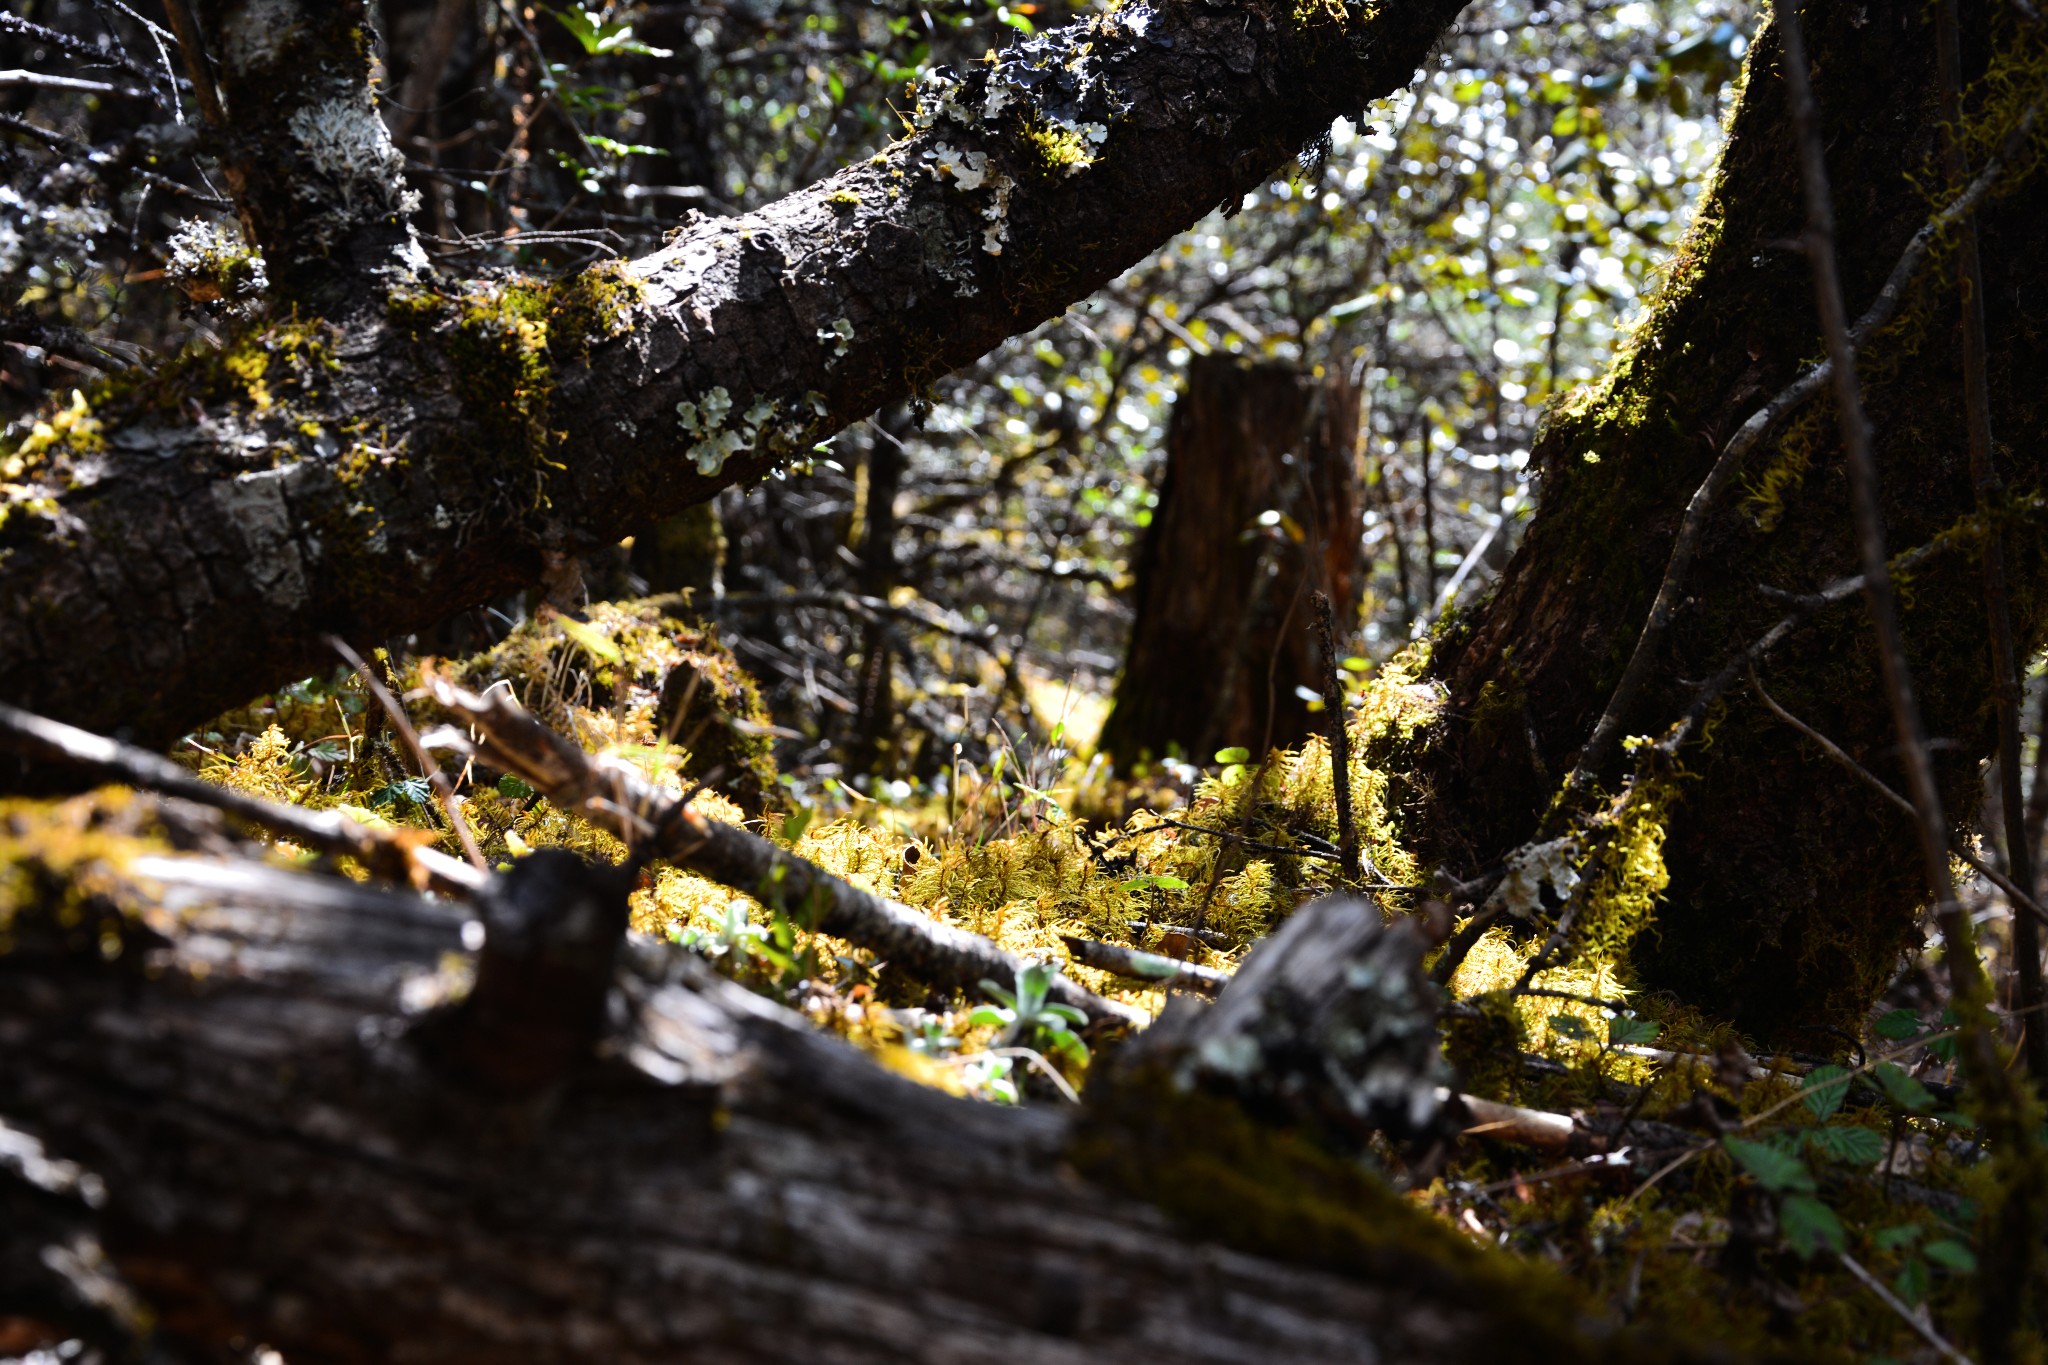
x=293 y=1153
x=1221 y=640
x=183 y=544
x=319 y=186
x=1760 y=922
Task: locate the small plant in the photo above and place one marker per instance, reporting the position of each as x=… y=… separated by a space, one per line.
x=1028 y=1018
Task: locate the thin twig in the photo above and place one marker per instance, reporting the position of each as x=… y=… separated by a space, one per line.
x=1340 y=739
x=607 y=790
x=2005 y=678
x=1151 y=968
x=2020 y=899
x=428 y=767
x=192 y=47
x=1914 y=1320
x=327 y=832
x=2011 y=1240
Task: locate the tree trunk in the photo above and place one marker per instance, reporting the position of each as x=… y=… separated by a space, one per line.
x=302 y=1143
x=1793 y=890
x=1259 y=506
x=186 y=540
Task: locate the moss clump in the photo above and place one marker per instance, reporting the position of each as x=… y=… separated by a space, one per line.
x=504 y=341
x=64 y=881
x=642 y=678
x=1270 y=1192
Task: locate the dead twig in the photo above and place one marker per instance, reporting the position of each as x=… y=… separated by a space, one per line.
x=1919 y=1324
x=1153 y=969
x=394 y=855
x=612 y=793
x=429 y=769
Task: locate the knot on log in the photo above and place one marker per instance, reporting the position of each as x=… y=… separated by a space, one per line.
x=552 y=930
x=1330 y=1023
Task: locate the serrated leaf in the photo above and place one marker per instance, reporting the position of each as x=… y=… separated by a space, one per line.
x=1951 y=1255
x=1823 y=1090
x=1809 y=1225
x=1628 y=1031
x=1768 y=1166
x=1898 y=1025
x=1855 y=1146
x=1903 y=1090
x=1892 y=1239
x=514 y=787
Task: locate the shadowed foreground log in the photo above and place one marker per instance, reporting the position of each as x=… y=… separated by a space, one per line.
x=268 y=1072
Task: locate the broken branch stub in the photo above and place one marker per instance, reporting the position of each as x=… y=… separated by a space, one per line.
x=1330 y=1023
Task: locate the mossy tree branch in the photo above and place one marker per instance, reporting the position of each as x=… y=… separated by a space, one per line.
x=191 y=536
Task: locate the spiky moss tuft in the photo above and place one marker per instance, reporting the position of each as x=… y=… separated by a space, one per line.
x=618 y=677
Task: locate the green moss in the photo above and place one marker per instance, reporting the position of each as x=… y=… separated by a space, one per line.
x=504 y=341
x=1271 y=1192
x=843 y=199
x=644 y=678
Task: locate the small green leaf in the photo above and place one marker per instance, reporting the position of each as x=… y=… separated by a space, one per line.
x=1162 y=883
x=1823 y=1089
x=1629 y=1031
x=511 y=786
x=1893 y=1239
x=1898 y=1024
x=1233 y=755
x=1950 y=1254
x=1809 y=1224
x=988 y=1016
x=1773 y=1169
x=793 y=826
x=995 y=992
x=1855 y=1146
x=1904 y=1091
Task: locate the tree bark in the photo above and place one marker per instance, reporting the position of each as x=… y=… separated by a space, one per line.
x=1220 y=643
x=304 y=1143
x=185 y=542
x=1760 y=923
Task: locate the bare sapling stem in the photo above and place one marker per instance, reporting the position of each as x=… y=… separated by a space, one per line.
x=2010 y=1234
x=2005 y=680
x=1340 y=740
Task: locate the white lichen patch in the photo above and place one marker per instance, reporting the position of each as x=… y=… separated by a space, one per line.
x=210 y=263
x=1529 y=871
x=998 y=214
x=839 y=336
x=967 y=169
x=347 y=143
x=717 y=436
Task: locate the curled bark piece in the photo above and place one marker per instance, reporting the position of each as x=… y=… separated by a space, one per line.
x=613 y=794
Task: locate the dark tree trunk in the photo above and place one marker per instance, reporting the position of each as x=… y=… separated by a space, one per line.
x=1221 y=641
x=1793 y=889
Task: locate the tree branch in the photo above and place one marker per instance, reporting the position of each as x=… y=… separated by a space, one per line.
x=471 y=441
